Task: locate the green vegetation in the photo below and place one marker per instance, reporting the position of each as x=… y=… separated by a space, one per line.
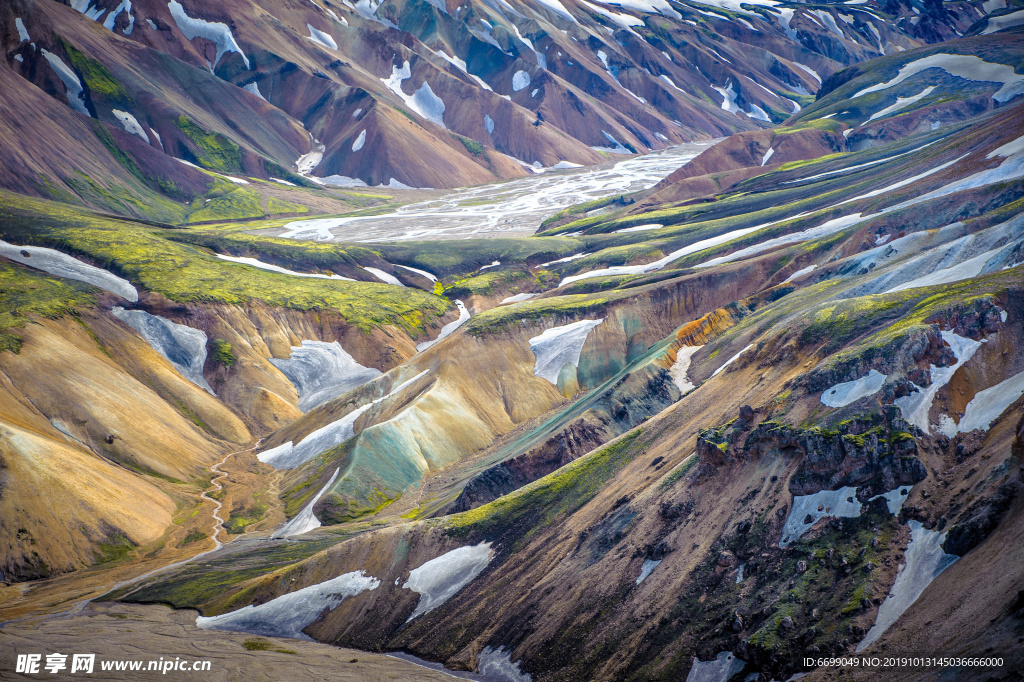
x=265 y=645
x=213 y=151
x=194 y=536
x=183 y=273
x=227 y=201
x=220 y=353
x=243 y=517
x=25 y=292
x=472 y=146
x=538 y=504
x=276 y=206
x=97 y=79
x=116 y=546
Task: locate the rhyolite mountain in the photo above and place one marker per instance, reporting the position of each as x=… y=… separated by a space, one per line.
x=420 y=94
x=769 y=407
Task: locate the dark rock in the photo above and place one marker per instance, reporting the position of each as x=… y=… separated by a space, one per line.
x=982 y=518
x=801 y=567
x=743 y=527
x=786 y=623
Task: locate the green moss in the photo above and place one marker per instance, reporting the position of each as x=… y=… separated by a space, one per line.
x=194 y=536
x=213 y=151
x=184 y=273
x=95 y=77
x=220 y=353
x=25 y=292
x=276 y=206
x=265 y=645
x=116 y=546
x=538 y=504
x=472 y=146
x=227 y=201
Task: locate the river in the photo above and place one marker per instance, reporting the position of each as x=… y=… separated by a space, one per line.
x=503 y=209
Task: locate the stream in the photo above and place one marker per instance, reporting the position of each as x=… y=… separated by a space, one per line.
x=504 y=209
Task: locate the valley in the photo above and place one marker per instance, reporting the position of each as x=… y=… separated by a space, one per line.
x=526 y=340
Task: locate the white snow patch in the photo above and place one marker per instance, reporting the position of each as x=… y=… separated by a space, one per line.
x=493 y=264
x=386 y=277
x=641 y=228
x=915 y=407
x=767 y=155
x=321 y=38
x=496 y=664
x=758 y=114
x=558 y=8
x=520 y=80
x=305 y=520
x=217 y=33
x=732 y=359
x=183 y=346
x=517 y=298
x=616 y=148
x=290 y=455
x=287 y=615
x=967 y=67
x=840 y=503
x=73 y=89
x=559 y=346
x=423 y=101
x=809 y=70
x=1004 y=22
x=986 y=406
x=23 y=35
x=729 y=95
x=901 y=103
x=645 y=570
x=254 y=88
x=924 y=561
x=488 y=124
x=62 y=265
x=360 y=141
x=322 y=371
x=681 y=366
x=283 y=182
x=847 y=392
x=801 y=272
x=440 y=579
x=130 y=124
x=256 y=263
x=448 y=329
x=719 y=670
x=426 y=274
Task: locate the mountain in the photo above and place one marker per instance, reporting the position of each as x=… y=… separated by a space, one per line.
x=722 y=408
x=404 y=94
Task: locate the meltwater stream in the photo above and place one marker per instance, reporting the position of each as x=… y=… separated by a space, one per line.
x=504 y=209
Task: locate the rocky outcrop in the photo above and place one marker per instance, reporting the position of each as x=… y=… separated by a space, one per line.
x=874 y=452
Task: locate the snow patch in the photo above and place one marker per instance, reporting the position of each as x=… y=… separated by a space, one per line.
x=130 y=124
x=217 y=33
x=305 y=520
x=520 y=80
x=245 y=260
x=986 y=406
x=840 y=503
x=721 y=669
x=321 y=38
x=73 y=89
x=924 y=561
x=847 y=392
x=559 y=346
x=1006 y=21
x=645 y=570
x=732 y=360
x=23 y=35
x=767 y=155
x=360 y=141
x=640 y=228
x=183 y=346
x=423 y=101
x=517 y=298
x=385 y=277
x=915 y=407
x=681 y=366
x=426 y=274
x=901 y=103
x=290 y=455
x=967 y=67
x=62 y=265
x=448 y=329
x=440 y=579
x=801 y=272
x=322 y=371
x=488 y=124
x=289 y=614
x=496 y=664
